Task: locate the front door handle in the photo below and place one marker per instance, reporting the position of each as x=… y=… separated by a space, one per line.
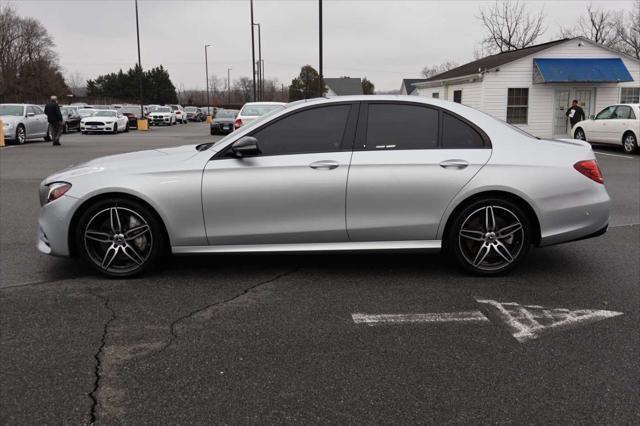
x=454 y=164
x=324 y=165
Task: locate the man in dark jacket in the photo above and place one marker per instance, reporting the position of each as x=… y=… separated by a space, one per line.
x=575 y=113
x=54 y=117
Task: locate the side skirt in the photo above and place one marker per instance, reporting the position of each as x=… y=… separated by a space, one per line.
x=430 y=245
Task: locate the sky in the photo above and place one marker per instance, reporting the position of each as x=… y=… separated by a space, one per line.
x=384 y=41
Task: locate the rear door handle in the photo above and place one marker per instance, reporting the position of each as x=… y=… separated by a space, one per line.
x=454 y=164
x=324 y=165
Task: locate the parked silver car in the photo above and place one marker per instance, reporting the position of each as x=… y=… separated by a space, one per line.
x=22 y=122
x=346 y=173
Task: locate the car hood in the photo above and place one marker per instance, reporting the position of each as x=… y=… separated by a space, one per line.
x=160 y=113
x=10 y=119
x=133 y=162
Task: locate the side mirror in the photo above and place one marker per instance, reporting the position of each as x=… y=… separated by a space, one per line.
x=30 y=114
x=246 y=146
x=592 y=117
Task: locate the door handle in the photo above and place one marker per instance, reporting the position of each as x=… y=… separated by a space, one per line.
x=454 y=164
x=324 y=165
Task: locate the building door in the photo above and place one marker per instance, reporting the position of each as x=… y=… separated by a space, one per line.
x=586 y=98
x=560 y=105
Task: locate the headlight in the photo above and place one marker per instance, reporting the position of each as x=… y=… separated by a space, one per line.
x=8 y=124
x=57 y=190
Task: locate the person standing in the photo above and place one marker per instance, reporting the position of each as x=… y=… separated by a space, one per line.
x=575 y=113
x=54 y=117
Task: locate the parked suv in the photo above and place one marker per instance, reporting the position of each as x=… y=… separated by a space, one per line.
x=181 y=115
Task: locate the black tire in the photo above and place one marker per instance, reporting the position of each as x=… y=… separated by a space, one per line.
x=579 y=134
x=65 y=128
x=629 y=143
x=126 y=128
x=21 y=135
x=113 y=252
x=83 y=132
x=480 y=249
x=115 y=129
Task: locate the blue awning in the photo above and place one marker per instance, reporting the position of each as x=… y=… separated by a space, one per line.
x=597 y=70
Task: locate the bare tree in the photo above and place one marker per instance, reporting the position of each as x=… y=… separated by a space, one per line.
x=597 y=25
x=77 y=83
x=628 y=31
x=509 y=26
x=431 y=70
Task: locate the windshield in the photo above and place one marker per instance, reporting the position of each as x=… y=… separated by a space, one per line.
x=16 y=110
x=86 y=112
x=105 y=114
x=68 y=111
x=251 y=125
x=226 y=113
x=162 y=109
x=259 y=110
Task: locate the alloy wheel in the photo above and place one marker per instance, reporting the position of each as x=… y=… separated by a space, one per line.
x=629 y=144
x=580 y=135
x=118 y=240
x=21 y=135
x=491 y=238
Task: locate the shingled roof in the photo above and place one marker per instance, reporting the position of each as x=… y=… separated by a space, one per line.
x=493 y=61
x=344 y=85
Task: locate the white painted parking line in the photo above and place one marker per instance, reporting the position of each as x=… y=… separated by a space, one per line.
x=369 y=319
x=614 y=155
x=524 y=322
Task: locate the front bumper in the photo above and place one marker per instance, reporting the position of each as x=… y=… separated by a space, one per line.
x=53 y=226
x=97 y=128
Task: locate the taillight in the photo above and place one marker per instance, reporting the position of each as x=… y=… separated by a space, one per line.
x=238 y=123
x=590 y=169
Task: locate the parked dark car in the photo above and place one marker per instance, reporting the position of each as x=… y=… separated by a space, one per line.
x=194 y=113
x=70 y=119
x=132 y=114
x=222 y=123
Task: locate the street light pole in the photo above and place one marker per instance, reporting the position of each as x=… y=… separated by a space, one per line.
x=206 y=70
x=229 y=86
x=139 y=65
x=321 y=76
x=259 y=62
x=253 y=54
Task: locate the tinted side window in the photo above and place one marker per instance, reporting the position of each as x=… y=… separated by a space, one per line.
x=37 y=110
x=313 y=130
x=394 y=126
x=458 y=134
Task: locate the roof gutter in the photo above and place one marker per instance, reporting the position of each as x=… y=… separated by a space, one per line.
x=470 y=78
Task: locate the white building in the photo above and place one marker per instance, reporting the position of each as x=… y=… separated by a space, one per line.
x=533 y=87
x=343 y=86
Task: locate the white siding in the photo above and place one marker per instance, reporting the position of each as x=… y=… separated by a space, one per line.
x=471 y=93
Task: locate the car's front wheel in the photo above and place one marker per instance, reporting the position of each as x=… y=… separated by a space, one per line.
x=629 y=143
x=490 y=236
x=21 y=135
x=579 y=134
x=120 y=237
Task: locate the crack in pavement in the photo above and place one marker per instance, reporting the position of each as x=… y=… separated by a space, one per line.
x=98 y=358
x=174 y=323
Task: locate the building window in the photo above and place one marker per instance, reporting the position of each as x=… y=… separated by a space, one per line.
x=630 y=95
x=457 y=96
x=435 y=95
x=517 y=105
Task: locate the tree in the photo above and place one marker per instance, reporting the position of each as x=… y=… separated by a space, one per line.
x=597 y=25
x=29 y=69
x=76 y=83
x=305 y=86
x=509 y=26
x=367 y=86
x=628 y=31
x=430 y=71
x=156 y=84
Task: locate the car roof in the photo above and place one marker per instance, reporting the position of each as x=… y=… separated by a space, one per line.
x=265 y=103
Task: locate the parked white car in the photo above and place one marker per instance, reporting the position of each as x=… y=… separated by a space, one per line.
x=21 y=122
x=181 y=115
x=162 y=115
x=614 y=125
x=105 y=120
x=252 y=110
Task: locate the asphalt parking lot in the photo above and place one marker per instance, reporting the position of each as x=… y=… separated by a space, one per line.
x=334 y=338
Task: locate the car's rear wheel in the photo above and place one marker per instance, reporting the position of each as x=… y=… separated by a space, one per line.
x=21 y=135
x=629 y=143
x=579 y=134
x=490 y=236
x=120 y=237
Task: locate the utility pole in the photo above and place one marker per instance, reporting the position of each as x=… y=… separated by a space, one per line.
x=139 y=65
x=321 y=76
x=206 y=70
x=260 y=91
x=253 y=54
x=229 y=86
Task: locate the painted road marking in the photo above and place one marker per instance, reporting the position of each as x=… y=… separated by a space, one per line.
x=524 y=322
x=614 y=155
x=369 y=319
x=532 y=321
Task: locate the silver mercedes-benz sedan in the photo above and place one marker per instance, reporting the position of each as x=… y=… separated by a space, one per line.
x=347 y=173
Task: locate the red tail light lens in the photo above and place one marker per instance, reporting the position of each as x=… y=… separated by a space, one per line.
x=238 y=123
x=590 y=169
